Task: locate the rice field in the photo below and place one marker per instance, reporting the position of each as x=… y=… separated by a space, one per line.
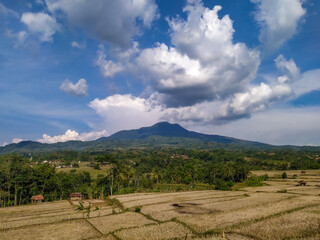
x=281 y=209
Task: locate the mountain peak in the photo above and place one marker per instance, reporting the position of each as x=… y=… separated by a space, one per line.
x=164 y=129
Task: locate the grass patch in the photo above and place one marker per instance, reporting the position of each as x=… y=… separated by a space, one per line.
x=115 y=203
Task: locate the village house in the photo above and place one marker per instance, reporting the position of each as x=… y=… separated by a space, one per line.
x=37 y=199
x=75 y=196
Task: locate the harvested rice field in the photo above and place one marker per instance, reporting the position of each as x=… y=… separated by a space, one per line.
x=281 y=209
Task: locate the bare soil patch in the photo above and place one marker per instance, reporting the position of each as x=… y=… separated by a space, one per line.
x=192 y=208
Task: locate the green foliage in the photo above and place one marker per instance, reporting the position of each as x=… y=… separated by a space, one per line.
x=75 y=165
x=284 y=175
x=222 y=185
x=97 y=166
x=137 y=209
x=256 y=181
x=85 y=210
x=141 y=169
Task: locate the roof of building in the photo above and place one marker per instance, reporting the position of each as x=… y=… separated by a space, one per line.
x=37 y=197
x=77 y=194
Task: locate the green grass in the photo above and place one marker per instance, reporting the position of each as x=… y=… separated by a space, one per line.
x=84 y=168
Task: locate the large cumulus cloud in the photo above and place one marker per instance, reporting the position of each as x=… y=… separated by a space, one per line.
x=203 y=63
x=203 y=76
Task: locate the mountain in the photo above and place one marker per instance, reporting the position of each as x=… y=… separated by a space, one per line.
x=162 y=134
x=165 y=129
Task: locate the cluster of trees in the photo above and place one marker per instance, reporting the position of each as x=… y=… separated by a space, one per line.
x=129 y=171
x=283 y=159
x=136 y=170
x=19 y=181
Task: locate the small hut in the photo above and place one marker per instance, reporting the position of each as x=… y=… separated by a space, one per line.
x=75 y=196
x=37 y=199
x=302 y=183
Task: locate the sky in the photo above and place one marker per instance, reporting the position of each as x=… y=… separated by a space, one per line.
x=84 y=69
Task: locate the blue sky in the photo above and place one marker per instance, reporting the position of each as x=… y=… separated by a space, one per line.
x=80 y=70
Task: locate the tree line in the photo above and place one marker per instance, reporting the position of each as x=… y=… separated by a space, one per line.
x=135 y=170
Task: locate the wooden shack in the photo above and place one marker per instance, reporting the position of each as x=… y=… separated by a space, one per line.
x=75 y=196
x=37 y=199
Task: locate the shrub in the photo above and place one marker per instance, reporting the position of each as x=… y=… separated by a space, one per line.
x=137 y=209
x=284 y=175
x=126 y=190
x=256 y=181
x=97 y=166
x=222 y=185
x=75 y=165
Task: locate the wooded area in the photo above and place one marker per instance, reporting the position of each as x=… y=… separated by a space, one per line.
x=136 y=170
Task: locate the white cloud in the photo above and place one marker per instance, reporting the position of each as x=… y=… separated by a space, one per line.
x=111 y=21
x=258 y=98
x=261 y=97
x=274 y=126
x=42 y=24
x=296 y=126
x=289 y=68
x=40 y=2
x=126 y=55
x=19 y=37
x=78 y=89
x=17 y=140
x=73 y=135
x=75 y=44
x=309 y=81
x=4 y=11
x=204 y=64
x=108 y=68
x=278 y=20
x=125 y=112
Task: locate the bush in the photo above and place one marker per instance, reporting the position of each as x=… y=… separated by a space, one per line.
x=75 y=165
x=97 y=166
x=137 y=209
x=256 y=181
x=222 y=185
x=284 y=175
x=126 y=190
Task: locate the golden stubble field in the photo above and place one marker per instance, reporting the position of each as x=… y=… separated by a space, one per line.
x=279 y=210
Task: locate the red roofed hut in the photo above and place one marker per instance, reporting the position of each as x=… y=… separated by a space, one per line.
x=75 y=196
x=37 y=199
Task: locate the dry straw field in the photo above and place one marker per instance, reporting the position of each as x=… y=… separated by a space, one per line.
x=279 y=210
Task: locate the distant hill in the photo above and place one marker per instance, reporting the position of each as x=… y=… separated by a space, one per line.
x=162 y=134
x=165 y=129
